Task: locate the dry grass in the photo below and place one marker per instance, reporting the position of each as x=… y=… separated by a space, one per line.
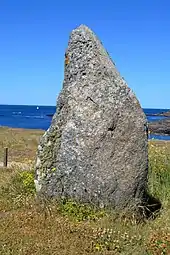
x=22 y=143
x=30 y=227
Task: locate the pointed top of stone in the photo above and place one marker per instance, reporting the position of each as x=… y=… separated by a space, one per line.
x=86 y=50
x=82 y=27
x=83 y=31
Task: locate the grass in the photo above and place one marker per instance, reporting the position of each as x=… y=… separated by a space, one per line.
x=28 y=226
x=22 y=143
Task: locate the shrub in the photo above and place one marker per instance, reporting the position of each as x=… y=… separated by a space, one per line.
x=80 y=212
x=19 y=189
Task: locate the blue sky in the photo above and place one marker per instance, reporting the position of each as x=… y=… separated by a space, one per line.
x=34 y=36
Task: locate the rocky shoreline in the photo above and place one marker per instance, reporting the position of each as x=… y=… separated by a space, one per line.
x=161 y=127
x=164 y=114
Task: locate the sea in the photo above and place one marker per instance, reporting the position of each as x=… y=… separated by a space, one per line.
x=40 y=117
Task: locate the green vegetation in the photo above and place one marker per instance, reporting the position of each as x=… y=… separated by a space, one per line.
x=28 y=226
x=80 y=212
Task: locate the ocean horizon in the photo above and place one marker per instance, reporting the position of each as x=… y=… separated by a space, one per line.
x=40 y=116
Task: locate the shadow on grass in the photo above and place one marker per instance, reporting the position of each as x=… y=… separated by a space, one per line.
x=151 y=208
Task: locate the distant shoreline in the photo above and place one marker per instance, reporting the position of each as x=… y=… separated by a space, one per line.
x=23 y=129
x=164 y=114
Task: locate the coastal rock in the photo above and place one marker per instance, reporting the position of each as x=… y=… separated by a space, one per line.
x=164 y=114
x=160 y=127
x=95 y=150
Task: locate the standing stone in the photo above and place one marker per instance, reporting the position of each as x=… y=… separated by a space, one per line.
x=95 y=150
